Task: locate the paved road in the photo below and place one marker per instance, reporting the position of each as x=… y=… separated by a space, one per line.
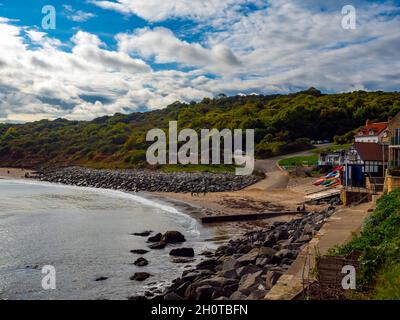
x=276 y=178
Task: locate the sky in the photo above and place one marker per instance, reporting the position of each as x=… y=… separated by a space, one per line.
x=109 y=56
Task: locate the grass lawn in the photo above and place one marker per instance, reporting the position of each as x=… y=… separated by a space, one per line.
x=333 y=148
x=299 y=161
x=198 y=168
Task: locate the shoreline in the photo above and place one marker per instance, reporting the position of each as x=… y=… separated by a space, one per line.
x=249 y=257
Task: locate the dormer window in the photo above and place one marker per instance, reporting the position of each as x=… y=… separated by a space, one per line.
x=371 y=132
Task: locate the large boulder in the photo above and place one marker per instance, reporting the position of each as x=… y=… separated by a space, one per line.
x=158 y=245
x=250 y=282
x=229 y=274
x=266 y=252
x=140 y=276
x=249 y=258
x=242 y=271
x=141 y=262
x=172 y=296
x=204 y=292
x=182 y=252
x=207 y=264
x=258 y=294
x=173 y=237
x=155 y=238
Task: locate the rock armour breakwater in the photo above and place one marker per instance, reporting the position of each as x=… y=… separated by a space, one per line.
x=247 y=268
x=147 y=180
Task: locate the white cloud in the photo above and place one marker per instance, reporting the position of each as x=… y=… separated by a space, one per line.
x=286 y=46
x=159 y=10
x=163 y=46
x=77 y=15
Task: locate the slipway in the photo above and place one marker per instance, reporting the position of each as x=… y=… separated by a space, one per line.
x=321 y=195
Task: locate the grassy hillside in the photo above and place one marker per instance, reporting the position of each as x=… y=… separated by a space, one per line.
x=283 y=124
x=380 y=245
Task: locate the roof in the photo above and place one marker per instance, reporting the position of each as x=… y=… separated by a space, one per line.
x=369 y=151
x=372 y=129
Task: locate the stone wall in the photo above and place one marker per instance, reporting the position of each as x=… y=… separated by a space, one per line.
x=351 y=197
x=391 y=183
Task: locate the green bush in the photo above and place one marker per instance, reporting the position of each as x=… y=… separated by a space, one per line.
x=379 y=243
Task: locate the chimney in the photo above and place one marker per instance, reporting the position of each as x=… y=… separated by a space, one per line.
x=390 y=119
x=368 y=122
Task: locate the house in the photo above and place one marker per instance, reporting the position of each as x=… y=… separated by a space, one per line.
x=372 y=132
x=393 y=140
x=332 y=159
x=365 y=160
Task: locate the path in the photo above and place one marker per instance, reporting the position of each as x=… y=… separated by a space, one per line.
x=276 y=178
x=338 y=230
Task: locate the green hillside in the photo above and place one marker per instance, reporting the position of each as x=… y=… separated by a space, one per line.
x=282 y=123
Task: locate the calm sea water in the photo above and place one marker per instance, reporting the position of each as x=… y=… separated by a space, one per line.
x=84 y=233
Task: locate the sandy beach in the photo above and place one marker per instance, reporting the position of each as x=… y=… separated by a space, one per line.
x=13 y=173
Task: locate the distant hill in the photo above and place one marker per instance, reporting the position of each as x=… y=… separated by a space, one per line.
x=283 y=124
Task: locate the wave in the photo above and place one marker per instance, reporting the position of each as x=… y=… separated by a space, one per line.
x=186 y=219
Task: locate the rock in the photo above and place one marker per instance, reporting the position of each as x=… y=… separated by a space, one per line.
x=141 y=262
x=142 y=234
x=283 y=235
x=308 y=229
x=182 y=260
x=139 y=251
x=190 y=276
x=304 y=238
x=242 y=271
x=229 y=264
x=207 y=264
x=140 y=276
x=272 y=278
x=137 y=298
x=204 y=292
x=261 y=262
x=284 y=253
x=266 y=252
x=249 y=282
x=237 y=295
x=207 y=254
x=257 y=295
x=182 y=252
x=173 y=237
x=218 y=282
x=156 y=238
x=158 y=245
x=218 y=293
x=101 y=279
x=269 y=241
x=180 y=290
x=172 y=296
x=229 y=274
x=249 y=257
